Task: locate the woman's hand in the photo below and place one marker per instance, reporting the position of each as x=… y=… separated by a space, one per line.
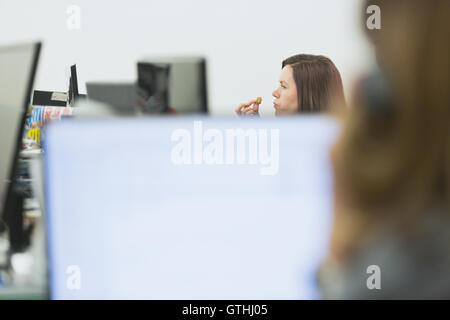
x=248 y=109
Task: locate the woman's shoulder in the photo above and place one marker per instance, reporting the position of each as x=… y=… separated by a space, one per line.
x=394 y=265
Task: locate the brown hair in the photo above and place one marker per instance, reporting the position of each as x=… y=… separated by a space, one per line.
x=396 y=168
x=319 y=84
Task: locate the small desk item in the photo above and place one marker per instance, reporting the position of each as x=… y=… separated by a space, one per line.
x=49 y=98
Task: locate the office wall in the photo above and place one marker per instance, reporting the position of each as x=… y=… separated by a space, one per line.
x=244 y=40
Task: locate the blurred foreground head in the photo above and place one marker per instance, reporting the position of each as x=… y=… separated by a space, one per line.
x=392 y=162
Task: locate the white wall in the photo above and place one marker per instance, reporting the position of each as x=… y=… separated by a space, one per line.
x=244 y=40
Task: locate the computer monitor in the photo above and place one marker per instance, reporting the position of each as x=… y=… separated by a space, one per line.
x=59 y=99
x=186 y=84
x=153 y=88
x=188 y=207
x=121 y=97
x=73 y=84
x=18 y=65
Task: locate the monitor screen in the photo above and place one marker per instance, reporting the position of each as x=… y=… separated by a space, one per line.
x=180 y=82
x=188 y=207
x=121 y=97
x=153 y=87
x=17 y=69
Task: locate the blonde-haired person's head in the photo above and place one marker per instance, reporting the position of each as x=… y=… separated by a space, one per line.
x=392 y=161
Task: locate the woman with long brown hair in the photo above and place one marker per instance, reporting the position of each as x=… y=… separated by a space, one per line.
x=308 y=83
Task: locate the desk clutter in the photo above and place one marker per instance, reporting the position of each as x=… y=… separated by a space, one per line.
x=38 y=116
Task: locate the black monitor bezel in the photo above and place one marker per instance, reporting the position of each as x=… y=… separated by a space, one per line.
x=11 y=218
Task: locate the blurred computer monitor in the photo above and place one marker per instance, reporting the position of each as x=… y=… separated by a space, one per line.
x=18 y=65
x=186 y=84
x=188 y=207
x=73 y=92
x=153 y=88
x=59 y=99
x=121 y=97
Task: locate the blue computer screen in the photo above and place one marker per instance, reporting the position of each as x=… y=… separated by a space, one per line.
x=188 y=207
